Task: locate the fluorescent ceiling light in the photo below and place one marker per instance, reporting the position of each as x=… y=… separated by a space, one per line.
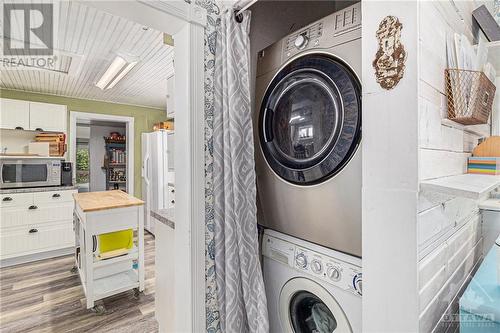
x=115 y=72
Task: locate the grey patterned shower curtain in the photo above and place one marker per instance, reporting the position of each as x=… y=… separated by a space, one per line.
x=241 y=296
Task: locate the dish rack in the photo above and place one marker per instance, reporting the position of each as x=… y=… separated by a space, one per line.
x=469 y=96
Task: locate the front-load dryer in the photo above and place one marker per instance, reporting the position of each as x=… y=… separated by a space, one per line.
x=310 y=288
x=307 y=129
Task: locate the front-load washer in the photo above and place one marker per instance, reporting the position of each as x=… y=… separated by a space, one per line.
x=307 y=130
x=310 y=288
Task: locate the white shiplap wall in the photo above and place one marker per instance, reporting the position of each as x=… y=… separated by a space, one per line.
x=449 y=228
x=97 y=36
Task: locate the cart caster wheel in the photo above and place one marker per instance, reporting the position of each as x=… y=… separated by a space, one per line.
x=137 y=293
x=99 y=310
x=74 y=269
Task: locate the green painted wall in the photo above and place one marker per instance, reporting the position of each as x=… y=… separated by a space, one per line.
x=144 y=118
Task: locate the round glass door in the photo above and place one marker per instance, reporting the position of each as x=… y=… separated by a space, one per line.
x=307 y=307
x=310 y=121
x=309 y=314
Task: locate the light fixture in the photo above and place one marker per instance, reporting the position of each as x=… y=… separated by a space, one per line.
x=120 y=66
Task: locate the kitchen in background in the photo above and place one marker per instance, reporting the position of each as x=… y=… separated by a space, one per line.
x=78 y=129
x=101 y=162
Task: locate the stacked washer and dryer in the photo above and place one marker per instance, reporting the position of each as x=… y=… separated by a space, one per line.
x=308 y=132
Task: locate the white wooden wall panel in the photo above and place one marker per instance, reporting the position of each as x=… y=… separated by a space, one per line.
x=433 y=312
x=449 y=228
x=432 y=134
x=440 y=218
x=97 y=37
x=441 y=163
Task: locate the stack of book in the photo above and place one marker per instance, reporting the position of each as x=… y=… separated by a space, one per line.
x=57 y=142
x=484 y=165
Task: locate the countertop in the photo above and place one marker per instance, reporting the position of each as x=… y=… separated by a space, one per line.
x=96 y=201
x=482 y=296
x=165 y=216
x=37 y=189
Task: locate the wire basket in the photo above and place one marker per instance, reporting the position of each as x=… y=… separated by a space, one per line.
x=469 y=95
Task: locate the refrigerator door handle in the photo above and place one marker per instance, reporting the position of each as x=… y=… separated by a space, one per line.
x=146 y=171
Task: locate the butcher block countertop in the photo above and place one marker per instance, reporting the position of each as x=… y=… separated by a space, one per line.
x=95 y=201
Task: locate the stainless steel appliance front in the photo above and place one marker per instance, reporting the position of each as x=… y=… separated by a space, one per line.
x=307 y=130
x=29 y=172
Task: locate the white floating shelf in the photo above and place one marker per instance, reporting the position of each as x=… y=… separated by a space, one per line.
x=491 y=204
x=467 y=186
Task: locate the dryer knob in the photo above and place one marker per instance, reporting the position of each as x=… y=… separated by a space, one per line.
x=316 y=266
x=301 y=260
x=333 y=273
x=301 y=41
x=358 y=283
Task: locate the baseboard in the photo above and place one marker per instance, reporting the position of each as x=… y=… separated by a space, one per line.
x=35 y=257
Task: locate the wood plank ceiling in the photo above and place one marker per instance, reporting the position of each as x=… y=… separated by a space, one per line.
x=97 y=37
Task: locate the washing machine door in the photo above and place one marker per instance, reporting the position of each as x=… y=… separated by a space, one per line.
x=310 y=119
x=307 y=307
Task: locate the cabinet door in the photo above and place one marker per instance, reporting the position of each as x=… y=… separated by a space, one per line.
x=14 y=114
x=170 y=96
x=47 y=117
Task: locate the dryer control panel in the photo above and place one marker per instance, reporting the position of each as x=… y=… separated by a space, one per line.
x=325 y=33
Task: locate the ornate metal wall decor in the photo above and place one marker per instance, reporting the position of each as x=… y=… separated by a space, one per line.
x=390 y=58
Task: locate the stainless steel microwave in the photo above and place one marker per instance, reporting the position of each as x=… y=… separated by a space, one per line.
x=29 y=172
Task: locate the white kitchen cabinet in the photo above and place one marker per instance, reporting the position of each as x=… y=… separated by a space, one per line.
x=47 y=117
x=34 y=224
x=33 y=116
x=14 y=114
x=170 y=97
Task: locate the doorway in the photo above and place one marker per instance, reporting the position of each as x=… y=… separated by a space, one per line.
x=101 y=163
x=101 y=151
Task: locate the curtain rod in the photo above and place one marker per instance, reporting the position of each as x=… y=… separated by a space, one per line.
x=247 y=4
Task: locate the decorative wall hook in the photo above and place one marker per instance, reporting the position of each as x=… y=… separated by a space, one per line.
x=389 y=63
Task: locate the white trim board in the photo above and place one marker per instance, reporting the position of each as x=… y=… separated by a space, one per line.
x=130 y=127
x=186 y=23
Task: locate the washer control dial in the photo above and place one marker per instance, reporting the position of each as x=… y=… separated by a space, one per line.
x=333 y=273
x=358 y=283
x=301 y=260
x=316 y=266
x=301 y=41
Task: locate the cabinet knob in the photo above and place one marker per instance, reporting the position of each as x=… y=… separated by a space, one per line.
x=39 y=129
x=32 y=207
x=173 y=201
x=32 y=231
x=56 y=195
x=173 y=191
x=7 y=199
x=19 y=128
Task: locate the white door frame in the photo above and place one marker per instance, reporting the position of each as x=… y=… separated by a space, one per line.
x=186 y=22
x=129 y=121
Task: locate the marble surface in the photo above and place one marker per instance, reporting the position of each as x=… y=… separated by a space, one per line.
x=165 y=216
x=37 y=189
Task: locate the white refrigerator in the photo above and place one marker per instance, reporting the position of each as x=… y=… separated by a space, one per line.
x=157 y=172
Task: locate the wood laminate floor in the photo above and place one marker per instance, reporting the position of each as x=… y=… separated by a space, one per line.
x=45 y=296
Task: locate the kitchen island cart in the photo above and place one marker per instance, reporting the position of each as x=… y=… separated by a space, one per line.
x=98 y=213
